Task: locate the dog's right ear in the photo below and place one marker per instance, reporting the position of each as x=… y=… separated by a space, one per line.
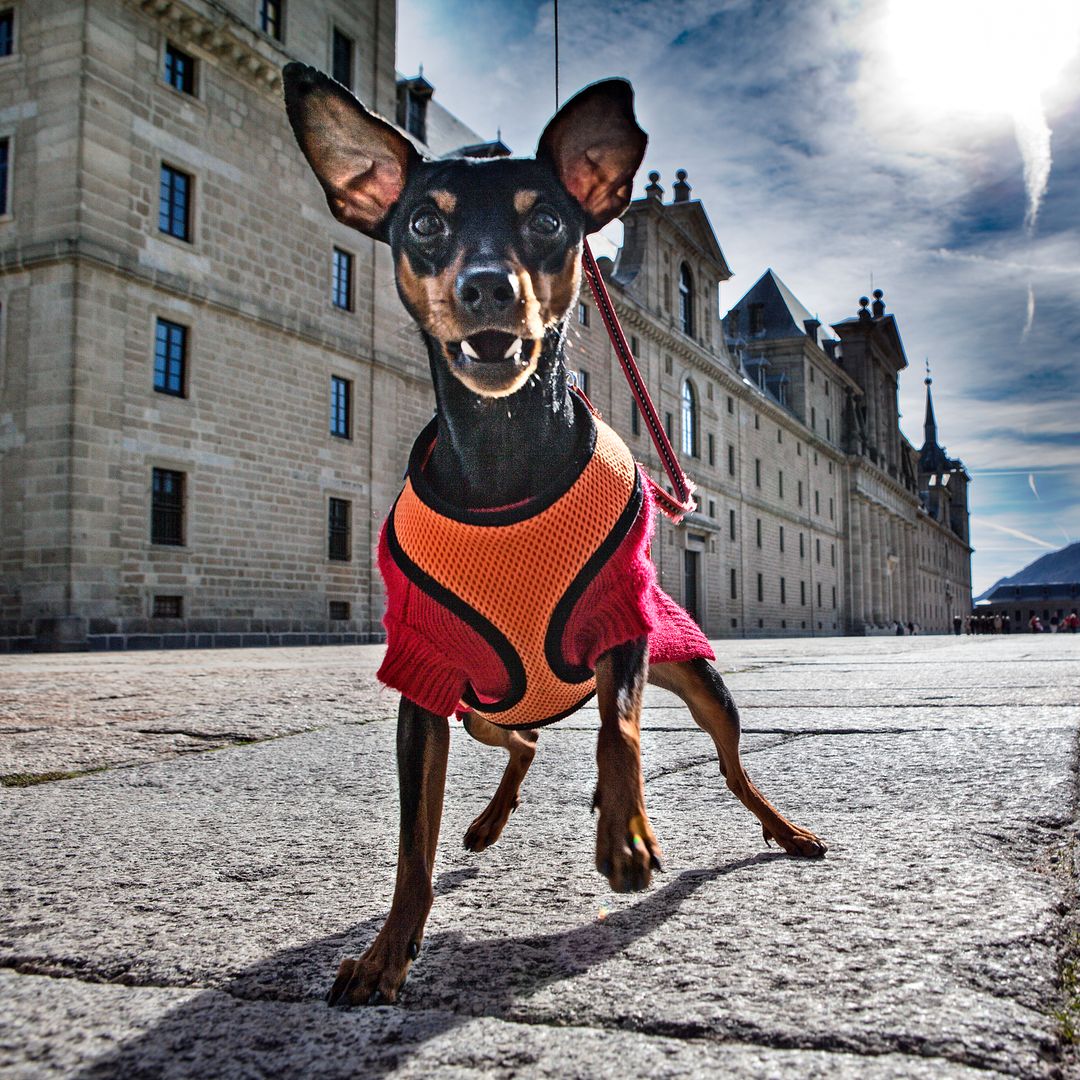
x=361 y=160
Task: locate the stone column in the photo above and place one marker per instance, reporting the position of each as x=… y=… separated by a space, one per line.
x=877 y=616
x=854 y=598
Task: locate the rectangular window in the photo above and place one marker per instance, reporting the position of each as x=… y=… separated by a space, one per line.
x=779 y=435
x=635 y=418
x=832 y=507
x=712 y=508
x=634 y=346
x=801 y=547
x=730 y=404
x=798 y=449
x=712 y=449
x=731 y=460
x=167 y=607
x=731 y=524
x=668 y=421
x=342 y=280
x=760 y=587
x=811 y=374
x=343 y=58
x=757 y=472
x=340 y=610
x=813 y=417
x=339 y=530
x=819 y=594
x=828 y=429
x=799 y=492
x=270 y=17
x=817 y=549
x=179 y=69
x=781 y=483
x=757 y=422
x=582 y=377
x=7 y=32
x=832 y=554
x=167 y=507
x=734 y=584
x=817 y=502
x=170 y=358
x=783 y=590
x=340 y=407
x=757 y=318
x=834 y=596
x=802 y=592
x=758 y=524
x=5 y=158
x=826 y=387
x=583 y=314
x=174 y=209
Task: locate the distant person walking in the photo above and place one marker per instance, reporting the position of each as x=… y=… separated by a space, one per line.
x=1072 y=622
x=957 y=625
x=1035 y=624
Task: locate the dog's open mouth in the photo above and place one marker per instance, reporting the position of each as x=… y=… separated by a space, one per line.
x=493 y=347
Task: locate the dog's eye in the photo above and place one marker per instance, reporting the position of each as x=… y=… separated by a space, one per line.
x=544 y=222
x=427 y=223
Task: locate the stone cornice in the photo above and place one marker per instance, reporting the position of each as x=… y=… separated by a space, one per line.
x=210 y=27
x=21 y=259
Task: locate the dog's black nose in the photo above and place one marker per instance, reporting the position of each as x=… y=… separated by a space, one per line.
x=486 y=291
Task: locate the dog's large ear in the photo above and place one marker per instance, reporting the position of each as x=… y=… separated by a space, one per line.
x=595 y=146
x=361 y=160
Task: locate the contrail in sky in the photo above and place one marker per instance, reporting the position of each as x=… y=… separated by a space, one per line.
x=1030 y=313
x=1016 y=532
x=1033 y=138
x=1031 y=484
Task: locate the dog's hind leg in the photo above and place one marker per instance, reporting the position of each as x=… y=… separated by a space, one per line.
x=699 y=684
x=521 y=746
x=423 y=744
x=626 y=848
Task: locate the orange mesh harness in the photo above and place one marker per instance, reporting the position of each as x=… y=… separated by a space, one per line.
x=515 y=574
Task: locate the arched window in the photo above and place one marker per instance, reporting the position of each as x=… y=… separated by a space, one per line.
x=689 y=419
x=686 y=299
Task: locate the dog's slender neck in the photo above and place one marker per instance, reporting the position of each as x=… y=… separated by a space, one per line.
x=492 y=452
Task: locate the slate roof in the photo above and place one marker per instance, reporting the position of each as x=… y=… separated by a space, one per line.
x=784 y=315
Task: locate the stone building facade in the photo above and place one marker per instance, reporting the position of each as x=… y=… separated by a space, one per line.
x=208 y=387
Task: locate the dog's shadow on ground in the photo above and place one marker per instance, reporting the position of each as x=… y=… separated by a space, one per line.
x=271 y=1020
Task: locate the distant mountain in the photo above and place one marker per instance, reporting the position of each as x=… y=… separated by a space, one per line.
x=1056 y=566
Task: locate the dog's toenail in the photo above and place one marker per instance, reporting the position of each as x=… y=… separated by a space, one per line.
x=376 y=998
x=414 y=950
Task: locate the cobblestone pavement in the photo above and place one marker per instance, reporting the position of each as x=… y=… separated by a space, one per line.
x=191 y=841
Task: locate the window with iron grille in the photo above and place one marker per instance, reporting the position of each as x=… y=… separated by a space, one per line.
x=7 y=32
x=339 y=530
x=340 y=407
x=271 y=17
x=343 y=58
x=168 y=607
x=5 y=158
x=174 y=210
x=340 y=610
x=342 y=288
x=167 y=507
x=179 y=69
x=170 y=358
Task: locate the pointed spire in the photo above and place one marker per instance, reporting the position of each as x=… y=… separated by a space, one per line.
x=930 y=424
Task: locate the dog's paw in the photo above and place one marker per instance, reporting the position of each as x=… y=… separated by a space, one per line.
x=627 y=852
x=799 y=842
x=375 y=979
x=489 y=824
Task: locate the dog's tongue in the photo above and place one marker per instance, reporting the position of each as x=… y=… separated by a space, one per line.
x=491 y=346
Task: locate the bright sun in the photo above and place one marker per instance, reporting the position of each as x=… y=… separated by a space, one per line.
x=993 y=56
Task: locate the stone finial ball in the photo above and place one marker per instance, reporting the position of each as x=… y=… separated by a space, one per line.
x=878 y=294
x=863 y=301
x=654 y=176
x=680 y=174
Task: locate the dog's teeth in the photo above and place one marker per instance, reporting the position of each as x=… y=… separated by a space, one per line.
x=514 y=350
x=468 y=350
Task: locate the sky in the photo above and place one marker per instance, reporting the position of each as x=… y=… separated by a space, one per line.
x=929 y=148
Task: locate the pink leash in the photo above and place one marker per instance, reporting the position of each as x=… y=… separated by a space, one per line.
x=682 y=502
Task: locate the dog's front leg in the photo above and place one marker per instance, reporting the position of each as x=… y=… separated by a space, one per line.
x=626 y=849
x=423 y=744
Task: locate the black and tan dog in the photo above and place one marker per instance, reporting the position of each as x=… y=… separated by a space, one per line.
x=488 y=263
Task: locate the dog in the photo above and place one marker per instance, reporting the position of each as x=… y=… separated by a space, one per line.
x=487 y=257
